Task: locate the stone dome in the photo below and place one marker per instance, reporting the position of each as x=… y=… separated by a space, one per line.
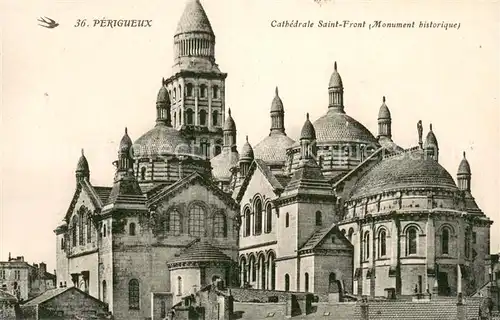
x=277 y=104
x=194 y=19
x=431 y=139
x=125 y=143
x=464 y=167
x=229 y=124
x=335 y=79
x=308 y=131
x=83 y=164
x=247 y=151
x=339 y=127
x=201 y=251
x=384 y=112
x=406 y=170
x=273 y=148
x=163 y=140
x=163 y=95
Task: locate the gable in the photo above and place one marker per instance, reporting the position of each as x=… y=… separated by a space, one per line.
x=257 y=184
x=265 y=176
x=334 y=240
x=81 y=198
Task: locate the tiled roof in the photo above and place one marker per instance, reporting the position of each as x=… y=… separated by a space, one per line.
x=339 y=127
x=272 y=149
x=277 y=104
x=383 y=112
x=127 y=192
x=316 y=238
x=308 y=131
x=82 y=164
x=47 y=295
x=223 y=162
x=103 y=193
x=335 y=79
x=247 y=151
x=389 y=145
x=201 y=251
x=275 y=183
x=194 y=19
x=162 y=140
x=308 y=179
x=405 y=170
x=464 y=167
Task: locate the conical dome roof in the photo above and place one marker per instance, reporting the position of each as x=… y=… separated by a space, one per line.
x=277 y=104
x=229 y=125
x=464 y=167
x=335 y=79
x=431 y=139
x=247 y=151
x=308 y=131
x=125 y=143
x=384 y=112
x=163 y=95
x=82 y=165
x=194 y=19
x=201 y=251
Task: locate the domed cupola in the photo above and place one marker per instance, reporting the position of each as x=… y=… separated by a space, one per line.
x=307 y=140
x=229 y=157
x=125 y=144
x=82 y=168
x=384 y=121
x=125 y=162
x=431 y=146
x=336 y=91
x=464 y=174
x=194 y=38
x=246 y=158
x=272 y=149
x=163 y=106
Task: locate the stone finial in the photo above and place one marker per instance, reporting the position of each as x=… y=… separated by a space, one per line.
x=276 y=90
x=383 y=99
x=335 y=65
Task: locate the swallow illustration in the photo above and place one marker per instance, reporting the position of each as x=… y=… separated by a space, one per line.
x=47 y=22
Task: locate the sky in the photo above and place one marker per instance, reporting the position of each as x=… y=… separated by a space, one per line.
x=69 y=88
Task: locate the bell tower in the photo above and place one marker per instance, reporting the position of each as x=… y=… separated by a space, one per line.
x=197 y=86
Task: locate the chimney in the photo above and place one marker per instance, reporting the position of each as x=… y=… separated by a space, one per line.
x=43 y=268
x=364 y=309
x=460 y=307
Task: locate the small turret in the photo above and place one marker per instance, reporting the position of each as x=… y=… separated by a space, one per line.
x=336 y=91
x=246 y=158
x=229 y=132
x=384 y=121
x=82 y=168
x=277 y=115
x=124 y=164
x=464 y=175
x=308 y=140
x=163 y=106
x=431 y=147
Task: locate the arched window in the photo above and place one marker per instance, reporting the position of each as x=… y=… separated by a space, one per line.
x=104 y=231
x=272 y=270
x=197 y=221
x=220 y=225
x=247 y=222
x=174 y=94
x=189 y=90
x=189 y=116
x=217 y=150
x=215 y=92
x=215 y=118
x=163 y=309
x=172 y=223
x=258 y=216
x=104 y=291
x=89 y=228
x=287 y=220
x=243 y=271
x=269 y=218
x=133 y=294
x=252 y=265
x=332 y=282
x=174 y=121
x=62 y=243
x=203 y=91
x=306 y=282
x=467 y=243
x=382 y=239
x=262 y=266
x=445 y=239
x=179 y=286
x=349 y=235
x=367 y=244
x=318 y=218
x=180 y=93
x=411 y=238
x=74 y=231
x=143 y=173
x=287 y=282
x=203 y=117
x=131 y=228
x=81 y=229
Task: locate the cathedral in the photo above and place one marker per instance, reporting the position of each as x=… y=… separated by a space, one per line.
x=338 y=209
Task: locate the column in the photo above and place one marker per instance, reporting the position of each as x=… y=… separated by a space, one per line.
x=210 y=91
x=430 y=252
x=196 y=97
